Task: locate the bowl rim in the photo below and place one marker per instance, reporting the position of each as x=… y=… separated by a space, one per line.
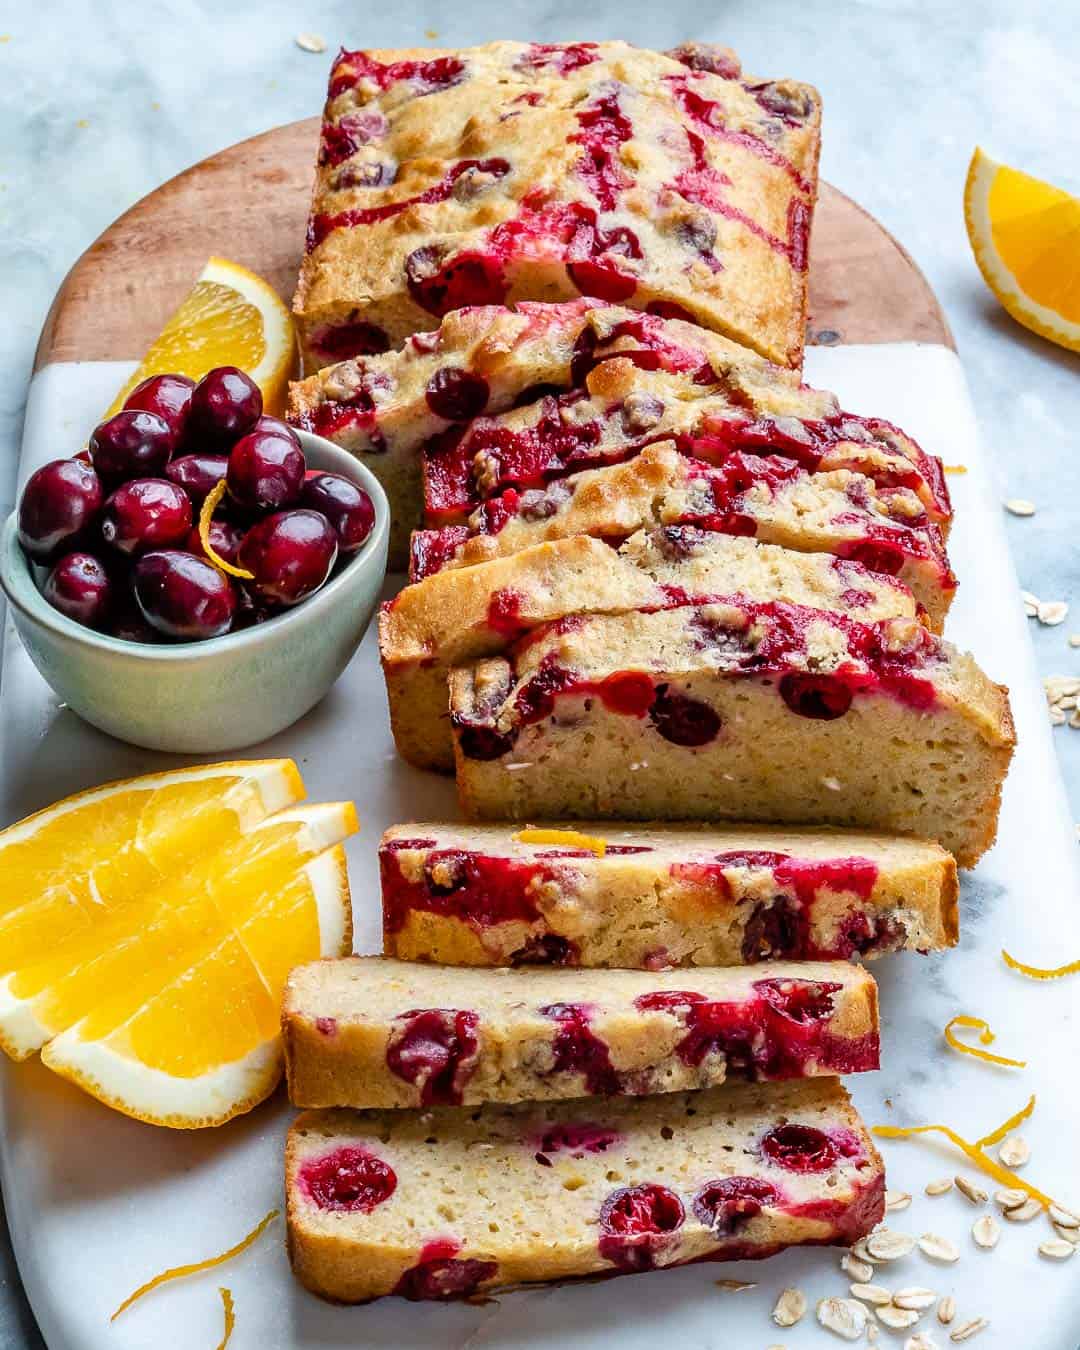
x=21 y=590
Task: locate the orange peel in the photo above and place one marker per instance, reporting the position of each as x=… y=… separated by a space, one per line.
x=956 y=468
x=1038 y=972
x=209 y=506
x=986 y=1037
x=178 y=1272
x=230 y=1316
x=571 y=838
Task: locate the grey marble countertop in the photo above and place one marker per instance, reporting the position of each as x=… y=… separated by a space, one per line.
x=102 y=101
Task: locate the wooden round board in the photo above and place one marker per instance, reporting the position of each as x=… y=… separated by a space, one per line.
x=250 y=203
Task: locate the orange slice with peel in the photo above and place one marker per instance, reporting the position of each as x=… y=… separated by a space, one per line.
x=1025 y=234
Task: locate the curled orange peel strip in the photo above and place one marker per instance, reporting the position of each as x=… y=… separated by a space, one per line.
x=1037 y=972
x=572 y=838
x=178 y=1272
x=956 y=468
x=974 y=1151
x=230 y=1316
x=209 y=506
x=986 y=1037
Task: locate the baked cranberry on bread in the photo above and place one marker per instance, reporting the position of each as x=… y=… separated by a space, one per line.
x=518 y=171
x=461 y=614
x=659 y=896
x=737 y=711
x=457 y=1201
x=368 y=1031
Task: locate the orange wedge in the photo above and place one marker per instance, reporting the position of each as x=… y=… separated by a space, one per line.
x=1026 y=238
x=155 y=984
x=230 y=317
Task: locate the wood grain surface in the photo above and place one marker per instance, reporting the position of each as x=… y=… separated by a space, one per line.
x=250 y=203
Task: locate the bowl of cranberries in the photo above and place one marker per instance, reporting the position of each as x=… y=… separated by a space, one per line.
x=199 y=576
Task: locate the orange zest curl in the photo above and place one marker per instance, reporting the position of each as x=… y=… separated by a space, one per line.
x=178 y=1272
x=571 y=838
x=1007 y=1127
x=956 y=468
x=1036 y=972
x=986 y=1037
x=230 y=1316
x=209 y=506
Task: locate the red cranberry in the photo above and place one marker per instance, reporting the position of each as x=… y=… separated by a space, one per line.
x=636 y=1223
x=477 y=741
x=346 y=506
x=78 y=586
x=225 y=405
x=59 y=503
x=132 y=444
x=169 y=396
x=183 y=596
x=545 y=949
x=457 y=395
x=800 y=1000
x=437 y=1275
x=468 y=279
x=266 y=471
x=578 y=1137
x=822 y=697
x=290 y=553
x=728 y=1204
x=274 y=426
x=434 y=1049
x=127 y=622
x=777 y=929
x=799 y=1148
x=198 y=475
x=225 y=540
x=682 y=720
x=144 y=514
x=577 y=1049
x=349 y=1179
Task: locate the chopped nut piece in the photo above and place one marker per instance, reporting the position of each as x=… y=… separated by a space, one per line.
x=970 y=1191
x=970 y=1329
x=1057 y=1249
x=790 y=1307
x=842 y=1316
x=939 y=1187
x=920 y=1341
x=1015 y=1150
x=897 y=1319
x=897 y=1200
x=860 y=1271
x=310 y=42
x=939 y=1248
x=916 y=1297
x=985 y=1232
x=946 y=1310
x=1024 y=1213
x=871 y=1293
x=885 y=1245
x=1020 y=506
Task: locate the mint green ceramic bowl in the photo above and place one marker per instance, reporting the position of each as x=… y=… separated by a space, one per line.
x=223 y=694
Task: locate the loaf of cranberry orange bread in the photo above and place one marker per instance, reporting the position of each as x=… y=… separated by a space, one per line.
x=369 y=1031
x=458 y=615
x=659 y=896
x=737 y=711
x=620 y=407
x=457 y=1201
x=761 y=496
x=518 y=171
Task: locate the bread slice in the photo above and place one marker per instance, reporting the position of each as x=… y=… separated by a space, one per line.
x=460 y=615
x=759 y=496
x=369 y=1031
x=660 y=896
x=457 y=1201
x=759 y=712
x=516 y=170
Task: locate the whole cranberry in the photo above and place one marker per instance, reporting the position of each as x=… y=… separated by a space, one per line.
x=225 y=405
x=198 y=475
x=169 y=396
x=144 y=514
x=345 y=505
x=132 y=444
x=290 y=553
x=60 y=501
x=275 y=426
x=225 y=540
x=79 y=587
x=183 y=596
x=266 y=471
x=126 y=622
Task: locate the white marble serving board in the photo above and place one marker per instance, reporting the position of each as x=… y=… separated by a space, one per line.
x=98 y=1203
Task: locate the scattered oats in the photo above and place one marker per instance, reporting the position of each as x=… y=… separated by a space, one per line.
x=970 y=1191
x=833 y=784
x=1031 y=603
x=985 y=1232
x=858 y=1270
x=871 y=1293
x=1011 y=1198
x=897 y=1319
x=1058 y=687
x=970 y=1329
x=735 y=1286
x=872 y=1333
x=1052 y=612
x=885 y=1245
x=790 y=1307
x=939 y=1248
x=897 y=1200
x=861 y=1253
x=1057 y=1249
x=1074 y=721
x=916 y=1297
x=1074 y=639
x=310 y=42
x=920 y=1341
x=1069 y=1234
x=522 y=764
x=939 y=1187
x=842 y=1316
x=946 y=1310
x=1063 y=1218
x=1024 y=1213
x=1057 y=717
x=1019 y=506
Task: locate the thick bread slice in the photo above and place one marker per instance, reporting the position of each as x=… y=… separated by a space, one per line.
x=660 y=896
x=456 y=1200
x=369 y=1031
x=758 y=712
x=460 y=615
